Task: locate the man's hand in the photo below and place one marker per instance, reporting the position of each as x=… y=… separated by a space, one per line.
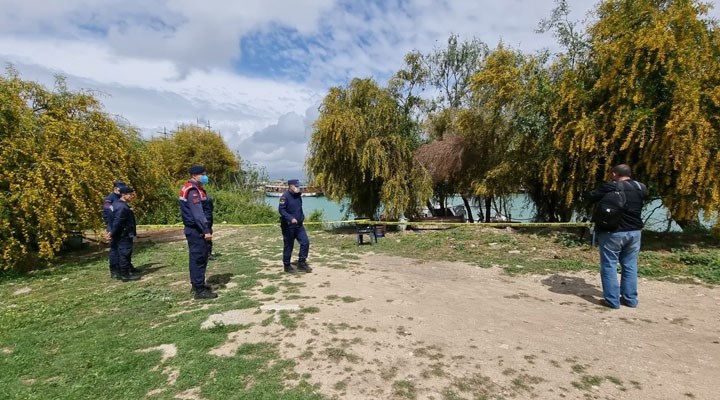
x=108 y=236
x=293 y=221
x=208 y=236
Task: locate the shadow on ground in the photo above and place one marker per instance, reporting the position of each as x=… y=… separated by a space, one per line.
x=574 y=286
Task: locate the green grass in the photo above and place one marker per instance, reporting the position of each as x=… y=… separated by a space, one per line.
x=74 y=335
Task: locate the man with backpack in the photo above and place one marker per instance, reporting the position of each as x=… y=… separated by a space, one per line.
x=618 y=223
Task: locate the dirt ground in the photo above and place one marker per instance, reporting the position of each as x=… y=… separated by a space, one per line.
x=391 y=327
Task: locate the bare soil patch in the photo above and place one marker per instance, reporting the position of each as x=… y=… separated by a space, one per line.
x=392 y=327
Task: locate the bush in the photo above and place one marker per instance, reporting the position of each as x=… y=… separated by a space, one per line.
x=237 y=206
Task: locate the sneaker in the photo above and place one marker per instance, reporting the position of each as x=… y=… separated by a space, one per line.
x=290 y=269
x=304 y=267
x=604 y=303
x=205 y=294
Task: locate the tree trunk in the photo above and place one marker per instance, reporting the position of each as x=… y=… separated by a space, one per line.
x=468 y=209
x=488 y=207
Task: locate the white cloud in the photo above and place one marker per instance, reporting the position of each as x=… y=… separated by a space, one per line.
x=165 y=62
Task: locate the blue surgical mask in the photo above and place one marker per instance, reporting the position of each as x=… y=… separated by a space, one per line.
x=204 y=179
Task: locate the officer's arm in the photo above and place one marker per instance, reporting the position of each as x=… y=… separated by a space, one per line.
x=107 y=214
x=197 y=211
x=119 y=220
x=282 y=208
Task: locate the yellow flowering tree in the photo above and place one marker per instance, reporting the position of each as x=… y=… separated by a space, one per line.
x=646 y=92
x=190 y=145
x=59 y=153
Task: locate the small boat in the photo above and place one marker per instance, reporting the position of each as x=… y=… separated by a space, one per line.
x=277 y=188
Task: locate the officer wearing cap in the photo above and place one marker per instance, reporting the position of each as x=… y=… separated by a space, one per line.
x=107 y=214
x=122 y=234
x=193 y=206
x=291 y=224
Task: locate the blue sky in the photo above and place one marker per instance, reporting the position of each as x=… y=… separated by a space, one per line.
x=257 y=70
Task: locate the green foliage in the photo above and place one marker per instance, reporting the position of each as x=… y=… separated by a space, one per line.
x=361 y=149
x=316 y=216
x=238 y=206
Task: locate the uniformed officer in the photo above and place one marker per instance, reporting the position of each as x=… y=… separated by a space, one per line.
x=107 y=214
x=122 y=233
x=197 y=230
x=291 y=224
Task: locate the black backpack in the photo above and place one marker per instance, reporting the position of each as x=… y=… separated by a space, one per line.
x=611 y=207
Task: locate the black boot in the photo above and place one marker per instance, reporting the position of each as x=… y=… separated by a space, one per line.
x=304 y=267
x=126 y=276
x=290 y=269
x=202 y=293
x=114 y=274
x=134 y=270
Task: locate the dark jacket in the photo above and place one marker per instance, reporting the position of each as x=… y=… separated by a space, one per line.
x=632 y=218
x=192 y=208
x=291 y=207
x=123 y=222
x=107 y=212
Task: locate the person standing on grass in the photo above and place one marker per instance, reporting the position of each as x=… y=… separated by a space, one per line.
x=621 y=244
x=107 y=214
x=122 y=233
x=197 y=230
x=291 y=225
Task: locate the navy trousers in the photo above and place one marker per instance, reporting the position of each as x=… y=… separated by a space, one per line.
x=121 y=254
x=198 y=257
x=291 y=233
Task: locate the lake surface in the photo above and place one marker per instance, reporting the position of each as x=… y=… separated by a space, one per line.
x=654 y=213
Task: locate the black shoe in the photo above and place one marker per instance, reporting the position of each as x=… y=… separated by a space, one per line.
x=290 y=269
x=114 y=275
x=127 y=277
x=304 y=267
x=204 y=294
x=134 y=270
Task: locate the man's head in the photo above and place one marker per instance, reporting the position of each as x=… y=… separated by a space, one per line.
x=294 y=185
x=117 y=185
x=621 y=171
x=196 y=174
x=127 y=193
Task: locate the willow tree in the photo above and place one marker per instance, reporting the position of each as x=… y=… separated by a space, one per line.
x=647 y=93
x=59 y=153
x=192 y=144
x=362 y=150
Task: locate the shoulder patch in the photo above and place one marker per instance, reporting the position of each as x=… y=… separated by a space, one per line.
x=195 y=197
x=282 y=199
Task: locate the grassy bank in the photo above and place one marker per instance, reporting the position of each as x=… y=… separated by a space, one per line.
x=71 y=332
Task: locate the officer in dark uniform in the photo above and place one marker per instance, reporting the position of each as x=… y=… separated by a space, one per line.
x=197 y=230
x=122 y=233
x=107 y=214
x=291 y=224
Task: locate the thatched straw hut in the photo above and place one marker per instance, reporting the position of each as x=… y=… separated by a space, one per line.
x=443 y=159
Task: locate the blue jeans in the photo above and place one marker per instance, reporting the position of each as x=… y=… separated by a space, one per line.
x=622 y=247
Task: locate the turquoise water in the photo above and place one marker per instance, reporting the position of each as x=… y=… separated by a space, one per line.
x=654 y=213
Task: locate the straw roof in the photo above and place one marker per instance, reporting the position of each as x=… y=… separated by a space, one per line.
x=442 y=158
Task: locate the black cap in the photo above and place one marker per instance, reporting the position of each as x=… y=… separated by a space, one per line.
x=295 y=182
x=196 y=170
x=126 y=189
x=119 y=184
